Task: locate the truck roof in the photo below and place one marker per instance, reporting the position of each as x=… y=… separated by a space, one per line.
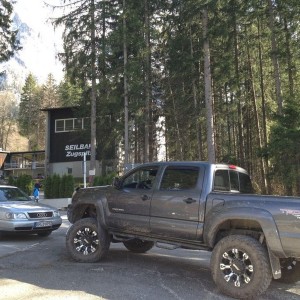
x=196 y=163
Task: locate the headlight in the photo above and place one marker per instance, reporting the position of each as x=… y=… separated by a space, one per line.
x=10 y=216
x=56 y=213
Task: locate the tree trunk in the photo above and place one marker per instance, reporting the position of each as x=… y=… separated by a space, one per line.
x=290 y=67
x=257 y=124
x=179 y=143
x=126 y=135
x=93 y=98
x=275 y=57
x=208 y=91
x=241 y=141
x=196 y=108
x=263 y=104
x=147 y=79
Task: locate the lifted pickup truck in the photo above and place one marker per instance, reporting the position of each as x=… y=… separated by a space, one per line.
x=195 y=205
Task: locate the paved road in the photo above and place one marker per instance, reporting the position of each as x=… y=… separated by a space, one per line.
x=38 y=268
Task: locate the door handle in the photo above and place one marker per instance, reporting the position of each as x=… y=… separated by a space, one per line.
x=145 y=197
x=189 y=200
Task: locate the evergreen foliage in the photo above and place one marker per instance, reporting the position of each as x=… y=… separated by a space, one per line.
x=254 y=62
x=29 y=112
x=284 y=147
x=24 y=182
x=8 y=37
x=104 y=180
x=56 y=186
x=48 y=191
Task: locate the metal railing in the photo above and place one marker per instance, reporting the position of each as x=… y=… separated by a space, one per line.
x=24 y=165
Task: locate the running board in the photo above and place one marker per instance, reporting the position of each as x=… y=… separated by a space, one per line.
x=166 y=246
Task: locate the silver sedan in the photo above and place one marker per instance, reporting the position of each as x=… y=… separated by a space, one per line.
x=20 y=213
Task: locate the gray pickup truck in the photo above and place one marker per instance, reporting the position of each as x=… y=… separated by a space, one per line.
x=194 y=205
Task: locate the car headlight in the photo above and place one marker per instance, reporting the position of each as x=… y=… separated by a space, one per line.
x=56 y=213
x=10 y=216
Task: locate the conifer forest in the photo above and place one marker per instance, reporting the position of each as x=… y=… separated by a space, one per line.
x=217 y=79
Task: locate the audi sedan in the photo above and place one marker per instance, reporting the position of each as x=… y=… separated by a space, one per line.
x=20 y=213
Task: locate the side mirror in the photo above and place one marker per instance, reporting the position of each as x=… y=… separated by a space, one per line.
x=116 y=183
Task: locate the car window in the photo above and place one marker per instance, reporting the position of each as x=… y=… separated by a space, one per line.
x=12 y=194
x=183 y=178
x=140 y=179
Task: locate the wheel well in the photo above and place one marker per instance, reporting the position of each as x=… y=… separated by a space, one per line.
x=244 y=227
x=84 y=211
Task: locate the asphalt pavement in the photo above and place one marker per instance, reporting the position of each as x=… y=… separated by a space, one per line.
x=38 y=268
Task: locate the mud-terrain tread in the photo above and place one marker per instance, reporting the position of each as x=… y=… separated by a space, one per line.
x=104 y=241
x=258 y=254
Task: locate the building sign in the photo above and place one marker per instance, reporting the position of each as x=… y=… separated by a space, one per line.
x=67 y=140
x=77 y=150
x=67 y=147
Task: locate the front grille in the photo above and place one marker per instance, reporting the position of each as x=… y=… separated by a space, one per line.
x=39 y=215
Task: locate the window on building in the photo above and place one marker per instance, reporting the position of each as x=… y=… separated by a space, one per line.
x=72 y=124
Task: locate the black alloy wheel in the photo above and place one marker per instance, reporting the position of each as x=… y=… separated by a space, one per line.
x=240 y=267
x=86 y=242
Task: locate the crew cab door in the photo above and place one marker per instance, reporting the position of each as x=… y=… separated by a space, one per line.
x=175 y=206
x=129 y=206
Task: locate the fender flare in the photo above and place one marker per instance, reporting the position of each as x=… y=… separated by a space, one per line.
x=101 y=220
x=99 y=206
x=216 y=217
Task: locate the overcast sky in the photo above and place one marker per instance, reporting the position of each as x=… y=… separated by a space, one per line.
x=40 y=52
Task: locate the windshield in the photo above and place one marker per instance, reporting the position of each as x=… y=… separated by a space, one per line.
x=12 y=194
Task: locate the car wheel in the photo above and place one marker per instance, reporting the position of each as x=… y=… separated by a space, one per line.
x=138 y=246
x=290 y=271
x=44 y=233
x=240 y=267
x=86 y=242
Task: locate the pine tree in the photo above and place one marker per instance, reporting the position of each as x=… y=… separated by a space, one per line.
x=29 y=118
x=49 y=93
x=8 y=37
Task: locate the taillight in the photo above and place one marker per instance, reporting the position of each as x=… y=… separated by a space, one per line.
x=232 y=167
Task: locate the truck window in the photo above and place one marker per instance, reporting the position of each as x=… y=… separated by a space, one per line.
x=245 y=184
x=230 y=180
x=234 y=181
x=140 y=179
x=221 y=182
x=181 y=178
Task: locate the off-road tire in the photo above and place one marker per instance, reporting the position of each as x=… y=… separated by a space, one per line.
x=240 y=267
x=86 y=242
x=138 y=246
x=290 y=271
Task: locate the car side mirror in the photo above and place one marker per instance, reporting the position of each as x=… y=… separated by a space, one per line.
x=116 y=183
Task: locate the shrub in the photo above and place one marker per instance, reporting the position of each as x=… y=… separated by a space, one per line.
x=55 y=186
x=59 y=187
x=104 y=180
x=48 y=188
x=24 y=182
